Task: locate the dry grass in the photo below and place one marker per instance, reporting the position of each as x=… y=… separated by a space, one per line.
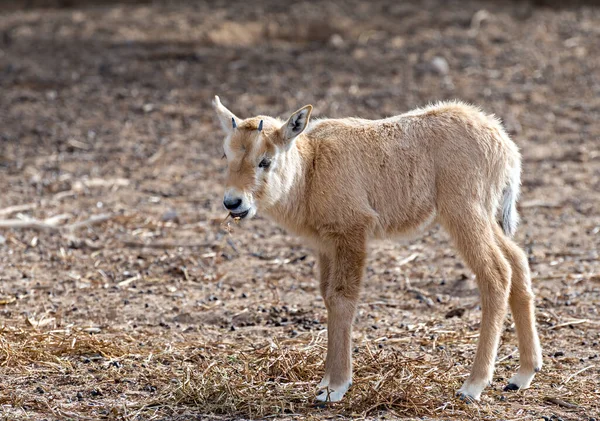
x=280 y=378
x=277 y=378
x=233 y=379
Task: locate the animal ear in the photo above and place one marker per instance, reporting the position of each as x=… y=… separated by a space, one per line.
x=296 y=124
x=227 y=119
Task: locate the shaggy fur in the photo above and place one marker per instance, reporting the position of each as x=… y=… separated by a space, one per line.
x=341 y=182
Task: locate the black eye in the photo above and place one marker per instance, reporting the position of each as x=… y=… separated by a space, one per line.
x=265 y=163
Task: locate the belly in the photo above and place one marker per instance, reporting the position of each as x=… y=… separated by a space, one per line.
x=406 y=227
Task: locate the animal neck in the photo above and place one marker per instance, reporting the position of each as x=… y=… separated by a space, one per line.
x=289 y=210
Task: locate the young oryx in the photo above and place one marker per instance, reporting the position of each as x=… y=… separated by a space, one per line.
x=340 y=182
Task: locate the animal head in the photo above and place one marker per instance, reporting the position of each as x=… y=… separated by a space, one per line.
x=261 y=158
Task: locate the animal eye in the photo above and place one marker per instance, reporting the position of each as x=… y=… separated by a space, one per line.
x=265 y=163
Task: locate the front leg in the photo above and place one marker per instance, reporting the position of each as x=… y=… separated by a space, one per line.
x=343 y=270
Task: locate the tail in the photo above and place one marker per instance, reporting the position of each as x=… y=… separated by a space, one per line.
x=510 y=217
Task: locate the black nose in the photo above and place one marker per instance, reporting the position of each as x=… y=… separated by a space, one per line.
x=232 y=204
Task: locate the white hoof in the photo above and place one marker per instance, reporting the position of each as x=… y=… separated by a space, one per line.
x=471 y=391
x=333 y=394
x=521 y=380
x=323 y=383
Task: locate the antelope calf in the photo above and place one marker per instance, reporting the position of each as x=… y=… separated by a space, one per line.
x=340 y=182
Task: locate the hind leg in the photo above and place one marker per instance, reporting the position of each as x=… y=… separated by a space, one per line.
x=325 y=269
x=474 y=237
x=522 y=306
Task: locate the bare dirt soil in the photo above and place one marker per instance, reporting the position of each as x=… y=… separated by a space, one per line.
x=154 y=310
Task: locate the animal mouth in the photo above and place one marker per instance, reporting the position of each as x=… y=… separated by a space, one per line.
x=240 y=215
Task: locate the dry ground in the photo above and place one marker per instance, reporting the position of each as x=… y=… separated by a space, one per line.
x=159 y=313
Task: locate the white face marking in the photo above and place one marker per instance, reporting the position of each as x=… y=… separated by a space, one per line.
x=274 y=182
x=248 y=203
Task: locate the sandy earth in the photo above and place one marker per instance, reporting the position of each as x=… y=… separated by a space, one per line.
x=105 y=110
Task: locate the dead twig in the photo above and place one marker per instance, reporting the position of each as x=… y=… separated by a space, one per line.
x=560 y=402
x=571 y=323
x=27 y=224
x=573 y=375
x=52 y=223
x=94 y=220
x=17 y=208
x=165 y=245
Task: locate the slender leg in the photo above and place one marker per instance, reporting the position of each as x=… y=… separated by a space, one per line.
x=474 y=238
x=522 y=305
x=325 y=269
x=325 y=263
x=341 y=299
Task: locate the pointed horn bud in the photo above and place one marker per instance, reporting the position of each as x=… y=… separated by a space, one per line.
x=233 y=123
x=260 y=126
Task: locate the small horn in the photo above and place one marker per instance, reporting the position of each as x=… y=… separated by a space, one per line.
x=233 y=123
x=260 y=126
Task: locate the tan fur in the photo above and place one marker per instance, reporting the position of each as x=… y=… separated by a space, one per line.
x=342 y=182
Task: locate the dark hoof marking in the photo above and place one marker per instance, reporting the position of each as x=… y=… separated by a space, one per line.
x=511 y=386
x=537 y=369
x=465 y=398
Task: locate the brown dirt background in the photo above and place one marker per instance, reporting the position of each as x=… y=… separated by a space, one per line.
x=105 y=108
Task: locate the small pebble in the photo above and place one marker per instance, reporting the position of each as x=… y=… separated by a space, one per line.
x=440 y=65
x=558 y=354
x=336 y=40
x=170 y=215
